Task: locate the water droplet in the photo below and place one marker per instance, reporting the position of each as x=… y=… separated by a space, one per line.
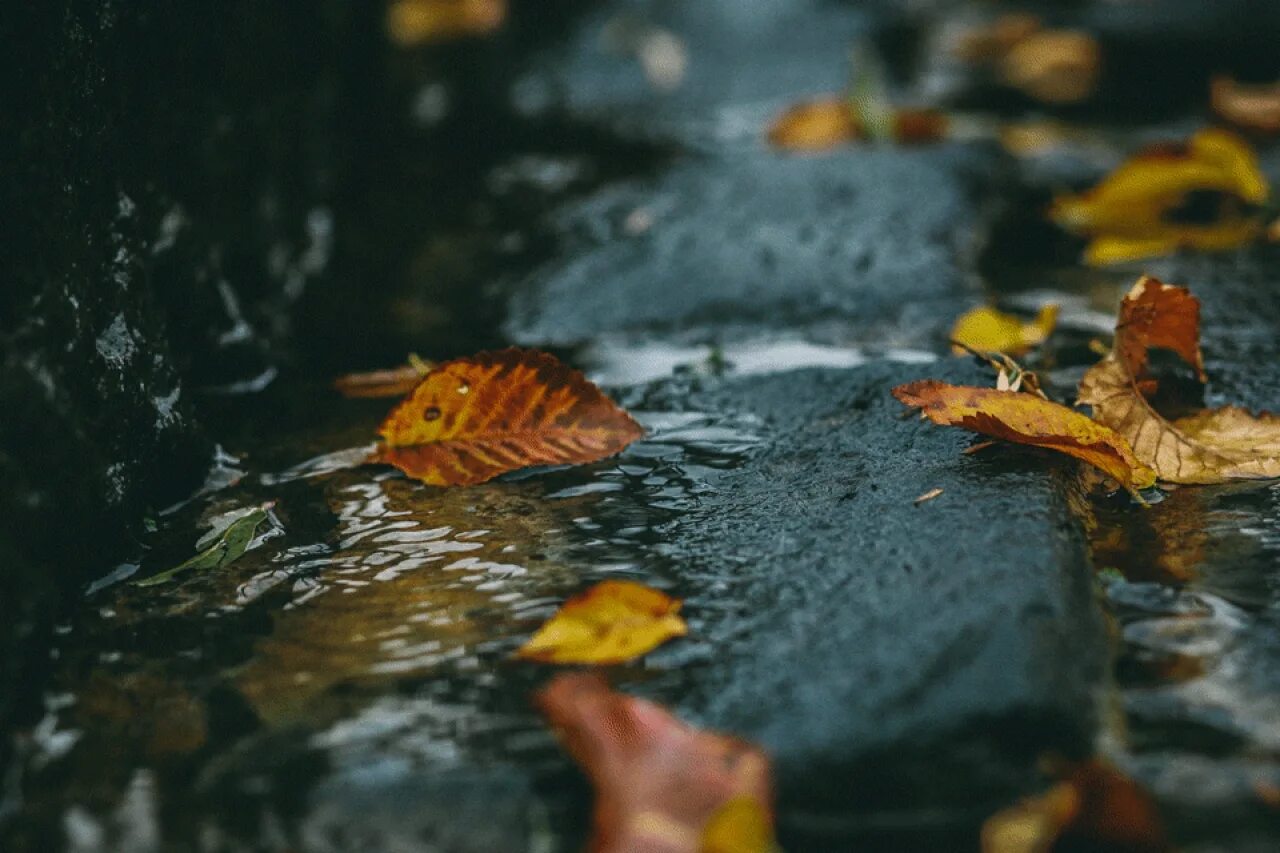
x=431 y=413
x=464 y=388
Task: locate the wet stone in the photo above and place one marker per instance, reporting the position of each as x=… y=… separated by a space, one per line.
x=882 y=650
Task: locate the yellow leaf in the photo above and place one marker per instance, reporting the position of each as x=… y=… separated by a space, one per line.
x=1027 y=419
x=740 y=826
x=1213 y=446
x=413 y=22
x=987 y=330
x=471 y=419
x=612 y=622
x=1133 y=212
x=1054 y=66
x=816 y=125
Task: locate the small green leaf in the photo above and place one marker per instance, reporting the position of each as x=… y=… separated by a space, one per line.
x=228 y=547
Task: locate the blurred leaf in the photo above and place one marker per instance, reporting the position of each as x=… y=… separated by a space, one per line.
x=394 y=382
x=612 y=622
x=415 y=22
x=471 y=419
x=660 y=785
x=1256 y=106
x=987 y=330
x=1053 y=66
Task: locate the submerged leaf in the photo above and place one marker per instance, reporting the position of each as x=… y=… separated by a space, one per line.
x=1028 y=419
x=1096 y=808
x=612 y=622
x=987 y=330
x=660 y=785
x=228 y=547
x=471 y=419
x=1139 y=209
x=1212 y=446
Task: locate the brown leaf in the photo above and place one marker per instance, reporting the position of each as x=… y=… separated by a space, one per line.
x=1096 y=807
x=394 y=382
x=1054 y=66
x=661 y=786
x=1027 y=419
x=614 y=621
x=1213 y=446
x=1255 y=106
x=471 y=419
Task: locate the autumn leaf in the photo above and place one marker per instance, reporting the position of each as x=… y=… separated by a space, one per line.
x=221 y=546
x=661 y=786
x=1252 y=106
x=612 y=622
x=394 y=382
x=1212 y=446
x=471 y=419
x=1053 y=66
x=987 y=330
x=414 y=22
x=1028 y=419
x=1095 y=807
x=1139 y=209
x=832 y=121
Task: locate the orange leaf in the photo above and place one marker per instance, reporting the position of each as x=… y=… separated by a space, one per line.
x=1028 y=419
x=1212 y=446
x=612 y=622
x=395 y=382
x=816 y=125
x=661 y=786
x=1096 y=808
x=413 y=22
x=471 y=419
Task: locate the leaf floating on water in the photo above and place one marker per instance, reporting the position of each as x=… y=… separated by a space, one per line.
x=613 y=622
x=987 y=330
x=1141 y=209
x=228 y=546
x=1212 y=446
x=1028 y=419
x=415 y=22
x=660 y=784
x=471 y=419
x=1096 y=808
x=394 y=382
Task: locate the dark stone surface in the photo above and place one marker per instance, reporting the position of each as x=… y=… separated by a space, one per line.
x=878 y=649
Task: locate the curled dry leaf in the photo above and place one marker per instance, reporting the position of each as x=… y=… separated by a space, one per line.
x=1212 y=446
x=1027 y=419
x=987 y=330
x=1141 y=209
x=661 y=786
x=414 y=22
x=612 y=622
x=1095 y=808
x=471 y=419
x=394 y=382
x=1253 y=106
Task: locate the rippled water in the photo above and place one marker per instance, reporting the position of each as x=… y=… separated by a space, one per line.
x=367 y=634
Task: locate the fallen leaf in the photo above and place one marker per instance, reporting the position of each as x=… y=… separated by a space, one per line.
x=1054 y=66
x=1028 y=419
x=817 y=125
x=414 y=22
x=227 y=547
x=661 y=785
x=987 y=330
x=1253 y=106
x=1212 y=446
x=929 y=495
x=612 y=622
x=394 y=382
x=1140 y=209
x=1096 y=807
x=471 y=419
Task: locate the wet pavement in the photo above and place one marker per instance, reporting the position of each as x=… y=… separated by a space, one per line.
x=348 y=683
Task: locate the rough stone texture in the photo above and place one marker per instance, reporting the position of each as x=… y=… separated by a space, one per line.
x=878 y=649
